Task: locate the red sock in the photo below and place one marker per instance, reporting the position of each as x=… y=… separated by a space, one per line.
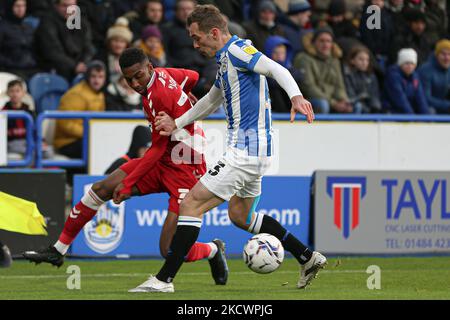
x=198 y=251
x=81 y=214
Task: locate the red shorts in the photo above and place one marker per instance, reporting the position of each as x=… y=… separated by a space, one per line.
x=174 y=179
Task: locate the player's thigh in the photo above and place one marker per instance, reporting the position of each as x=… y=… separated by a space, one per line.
x=198 y=201
x=187 y=197
x=167 y=232
x=239 y=210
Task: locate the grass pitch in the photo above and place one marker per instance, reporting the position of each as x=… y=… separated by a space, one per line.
x=344 y=278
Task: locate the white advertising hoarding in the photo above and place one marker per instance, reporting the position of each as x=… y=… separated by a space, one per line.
x=301 y=148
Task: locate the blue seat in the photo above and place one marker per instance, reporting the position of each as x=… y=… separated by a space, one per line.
x=46 y=90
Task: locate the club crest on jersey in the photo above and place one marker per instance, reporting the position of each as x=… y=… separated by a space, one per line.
x=104 y=232
x=223 y=65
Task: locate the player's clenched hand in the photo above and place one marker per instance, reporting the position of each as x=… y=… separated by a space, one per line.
x=300 y=104
x=164 y=124
x=120 y=194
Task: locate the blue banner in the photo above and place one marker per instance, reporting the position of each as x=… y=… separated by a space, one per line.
x=133 y=227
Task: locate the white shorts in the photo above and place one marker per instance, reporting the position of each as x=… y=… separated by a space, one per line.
x=236 y=174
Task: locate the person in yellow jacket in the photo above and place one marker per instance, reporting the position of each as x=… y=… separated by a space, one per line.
x=85 y=96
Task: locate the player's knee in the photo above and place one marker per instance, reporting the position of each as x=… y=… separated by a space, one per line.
x=164 y=251
x=101 y=189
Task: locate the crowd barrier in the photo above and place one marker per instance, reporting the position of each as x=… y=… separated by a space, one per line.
x=34 y=141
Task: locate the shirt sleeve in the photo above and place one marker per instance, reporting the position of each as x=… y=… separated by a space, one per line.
x=204 y=107
x=243 y=55
x=272 y=69
x=153 y=154
x=187 y=79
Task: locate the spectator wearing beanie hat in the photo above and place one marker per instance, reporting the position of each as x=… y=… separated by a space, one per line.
x=264 y=25
x=435 y=77
x=298 y=23
x=118 y=38
x=402 y=87
x=151 y=44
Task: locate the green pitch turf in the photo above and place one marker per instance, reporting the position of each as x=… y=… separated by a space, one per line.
x=344 y=278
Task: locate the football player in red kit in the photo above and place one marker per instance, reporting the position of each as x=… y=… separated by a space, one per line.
x=172 y=164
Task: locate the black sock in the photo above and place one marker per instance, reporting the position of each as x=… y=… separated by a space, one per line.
x=184 y=238
x=290 y=243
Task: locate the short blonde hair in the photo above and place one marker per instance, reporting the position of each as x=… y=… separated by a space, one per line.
x=207 y=16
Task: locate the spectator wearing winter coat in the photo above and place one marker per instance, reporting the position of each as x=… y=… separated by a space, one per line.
x=403 y=90
x=264 y=25
x=85 y=96
x=120 y=97
x=151 y=44
x=414 y=37
x=279 y=49
x=323 y=83
x=378 y=40
x=60 y=48
x=436 y=20
x=297 y=24
x=360 y=81
x=16 y=41
x=178 y=44
x=118 y=38
x=151 y=14
x=435 y=77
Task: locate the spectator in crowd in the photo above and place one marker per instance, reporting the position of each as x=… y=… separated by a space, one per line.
x=101 y=14
x=60 y=48
x=235 y=28
x=360 y=81
x=403 y=89
x=16 y=41
x=414 y=37
x=435 y=77
x=378 y=40
x=151 y=13
x=298 y=23
x=151 y=44
x=436 y=21
x=118 y=38
x=230 y=8
x=280 y=50
x=177 y=42
x=120 y=97
x=394 y=8
x=323 y=83
x=85 y=96
x=16 y=127
x=264 y=25
x=338 y=21
x=140 y=143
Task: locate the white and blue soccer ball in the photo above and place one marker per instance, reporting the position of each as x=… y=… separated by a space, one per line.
x=263 y=253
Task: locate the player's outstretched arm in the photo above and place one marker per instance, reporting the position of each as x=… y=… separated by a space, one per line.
x=204 y=107
x=270 y=68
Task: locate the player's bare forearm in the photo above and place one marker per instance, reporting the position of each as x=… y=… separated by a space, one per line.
x=303 y=106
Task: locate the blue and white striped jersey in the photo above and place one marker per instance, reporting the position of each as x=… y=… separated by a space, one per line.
x=246 y=98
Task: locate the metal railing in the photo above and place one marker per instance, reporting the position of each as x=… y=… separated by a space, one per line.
x=29 y=126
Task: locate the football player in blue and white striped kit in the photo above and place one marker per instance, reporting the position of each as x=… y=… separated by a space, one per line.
x=241 y=87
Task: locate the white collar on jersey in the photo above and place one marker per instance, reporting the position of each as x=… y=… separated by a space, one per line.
x=152 y=79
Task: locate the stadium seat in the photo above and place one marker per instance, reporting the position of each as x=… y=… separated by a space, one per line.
x=47 y=89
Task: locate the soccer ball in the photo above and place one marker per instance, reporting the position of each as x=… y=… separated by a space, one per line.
x=263 y=253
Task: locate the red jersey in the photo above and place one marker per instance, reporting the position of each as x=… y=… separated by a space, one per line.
x=167 y=91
